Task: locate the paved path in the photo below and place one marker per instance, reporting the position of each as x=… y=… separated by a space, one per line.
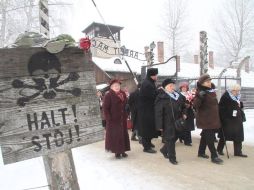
x=97 y=169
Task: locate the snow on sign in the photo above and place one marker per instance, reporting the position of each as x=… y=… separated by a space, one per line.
x=47 y=102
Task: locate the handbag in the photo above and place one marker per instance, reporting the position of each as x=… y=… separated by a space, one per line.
x=179 y=123
x=243 y=115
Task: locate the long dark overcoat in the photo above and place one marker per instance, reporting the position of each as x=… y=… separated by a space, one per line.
x=232 y=126
x=207 y=109
x=147 y=95
x=164 y=114
x=133 y=104
x=189 y=122
x=117 y=138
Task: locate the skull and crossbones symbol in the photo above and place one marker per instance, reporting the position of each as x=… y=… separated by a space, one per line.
x=45 y=70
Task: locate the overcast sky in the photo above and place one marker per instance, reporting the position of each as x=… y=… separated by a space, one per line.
x=140 y=18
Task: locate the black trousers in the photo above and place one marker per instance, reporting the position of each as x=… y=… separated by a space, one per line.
x=146 y=142
x=207 y=139
x=187 y=137
x=237 y=146
x=169 y=148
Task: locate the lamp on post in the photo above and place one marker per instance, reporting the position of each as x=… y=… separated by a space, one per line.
x=152 y=46
x=149 y=53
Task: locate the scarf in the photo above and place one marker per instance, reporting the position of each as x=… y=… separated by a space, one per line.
x=211 y=90
x=235 y=98
x=120 y=95
x=173 y=95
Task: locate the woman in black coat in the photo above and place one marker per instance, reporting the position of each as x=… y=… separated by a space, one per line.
x=230 y=109
x=190 y=126
x=168 y=108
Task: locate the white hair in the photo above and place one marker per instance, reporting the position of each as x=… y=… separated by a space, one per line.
x=236 y=87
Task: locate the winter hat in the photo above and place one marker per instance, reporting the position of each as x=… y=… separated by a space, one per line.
x=114 y=81
x=152 y=72
x=184 y=84
x=203 y=78
x=167 y=81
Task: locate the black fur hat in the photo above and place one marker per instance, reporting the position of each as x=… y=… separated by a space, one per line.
x=167 y=81
x=152 y=72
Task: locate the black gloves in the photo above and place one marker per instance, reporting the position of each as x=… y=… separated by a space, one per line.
x=202 y=94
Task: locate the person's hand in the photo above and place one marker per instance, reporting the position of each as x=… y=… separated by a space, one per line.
x=184 y=116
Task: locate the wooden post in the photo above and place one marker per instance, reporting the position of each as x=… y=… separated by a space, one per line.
x=44 y=17
x=203 y=52
x=60 y=171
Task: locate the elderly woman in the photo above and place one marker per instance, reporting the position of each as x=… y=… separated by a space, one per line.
x=207 y=117
x=168 y=108
x=114 y=104
x=187 y=98
x=231 y=114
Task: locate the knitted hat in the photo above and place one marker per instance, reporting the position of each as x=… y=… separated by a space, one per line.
x=152 y=72
x=203 y=78
x=184 y=84
x=167 y=81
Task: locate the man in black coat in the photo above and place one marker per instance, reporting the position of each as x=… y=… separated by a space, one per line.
x=146 y=113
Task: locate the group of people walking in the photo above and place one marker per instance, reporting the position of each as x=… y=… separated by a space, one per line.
x=155 y=112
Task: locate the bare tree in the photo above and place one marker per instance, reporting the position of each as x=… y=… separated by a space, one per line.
x=175 y=25
x=235 y=28
x=17 y=16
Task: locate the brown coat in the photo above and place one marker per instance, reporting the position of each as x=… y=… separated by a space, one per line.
x=207 y=109
x=117 y=138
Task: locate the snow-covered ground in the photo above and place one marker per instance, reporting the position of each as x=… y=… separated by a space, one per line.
x=248 y=128
x=99 y=170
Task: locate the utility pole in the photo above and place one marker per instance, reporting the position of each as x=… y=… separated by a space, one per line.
x=44 y=17
x=203 y=53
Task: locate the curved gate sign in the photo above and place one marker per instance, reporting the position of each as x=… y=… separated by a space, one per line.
x=47 y=102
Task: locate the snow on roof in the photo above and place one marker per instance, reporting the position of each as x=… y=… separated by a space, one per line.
x=187 y=70
x=101 y=86
x=109 y=65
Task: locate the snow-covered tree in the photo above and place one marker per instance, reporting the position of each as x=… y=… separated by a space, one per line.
x=235 y=29
x=174 y=25
x=18 y=16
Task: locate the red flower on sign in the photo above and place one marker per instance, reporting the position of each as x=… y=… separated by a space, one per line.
x=85 y=43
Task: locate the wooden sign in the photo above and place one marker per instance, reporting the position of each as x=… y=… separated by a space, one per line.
x=48 y=102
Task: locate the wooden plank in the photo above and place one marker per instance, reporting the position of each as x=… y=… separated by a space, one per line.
x=15 y=62
x=48 y=112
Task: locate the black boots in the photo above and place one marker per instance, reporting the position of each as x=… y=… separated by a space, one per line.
x=173 y=161
x=124 y=155
x=164 y=154
x=217 y=160
x=203 y=155
x=220 y=153
x=241 y=155
x=118 y=156
x=149 y=151
x=133 y=136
